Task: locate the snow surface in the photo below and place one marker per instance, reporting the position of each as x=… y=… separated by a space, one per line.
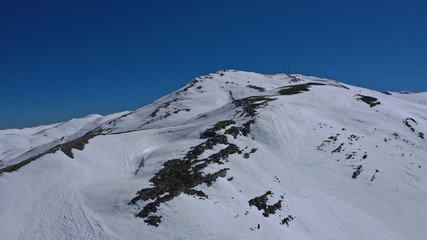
x=309 y=147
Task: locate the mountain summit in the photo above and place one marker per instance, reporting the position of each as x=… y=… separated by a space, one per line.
x=231 y=155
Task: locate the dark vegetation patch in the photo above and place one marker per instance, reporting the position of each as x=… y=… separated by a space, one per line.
x=261 y=204
x=296 y=89
x=261 y=89
x=371 y=101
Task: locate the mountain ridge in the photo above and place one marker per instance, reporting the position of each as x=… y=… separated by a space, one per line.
x=273 y=156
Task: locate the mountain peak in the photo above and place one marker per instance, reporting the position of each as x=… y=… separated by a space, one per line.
x=232 y=154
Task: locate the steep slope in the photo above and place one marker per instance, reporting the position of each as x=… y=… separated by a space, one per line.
x=232 y=155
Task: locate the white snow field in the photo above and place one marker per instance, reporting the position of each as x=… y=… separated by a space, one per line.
x=232 y=155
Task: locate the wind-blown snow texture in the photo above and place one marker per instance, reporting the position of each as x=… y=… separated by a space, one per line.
x=232 y=155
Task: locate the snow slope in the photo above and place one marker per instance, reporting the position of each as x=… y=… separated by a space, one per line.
x=231 y=155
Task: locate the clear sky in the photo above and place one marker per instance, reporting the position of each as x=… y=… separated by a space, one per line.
x=63 y=59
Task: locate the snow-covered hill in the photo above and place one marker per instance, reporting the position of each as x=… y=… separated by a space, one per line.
x=232 y=155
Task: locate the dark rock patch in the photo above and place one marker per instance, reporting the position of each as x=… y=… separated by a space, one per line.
x=296 y=89
x=286 y=220
x=233 y=131
x=374 y=176
x=294 y=79
x=157 y=110
x=261 y=204
x=251 y=104
x=338 y=149
x=181 y=176
x=78 y=143
x=357 y=172
x=17 y=166
x=261 y=89
x=210 y=132
x=153 y=220
x=371 y=101
x=407 y=123
x=181 y=110
x=66 y=148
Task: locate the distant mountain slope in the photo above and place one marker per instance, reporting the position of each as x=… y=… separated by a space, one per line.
x=231 y=155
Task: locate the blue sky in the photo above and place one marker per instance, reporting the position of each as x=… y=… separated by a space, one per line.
x=64 y=59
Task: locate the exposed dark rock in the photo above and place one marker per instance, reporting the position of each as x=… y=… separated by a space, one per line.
x=261 y=89
x=261 y=204
x=157 y=110
x=287 y=220
x=371 y=101
x=251 y=104
x=78 y=143
x=408 y=121
x=210 y=132
x=294 y=79
x=17 y=166
x=233 y=131
x=365 y=156
x=181 y=110
x=374 y=176
x=192 y=83
x=338 y=149
x=357 y=172
x=153 y=220
x=247 y=127
x=181 y=176
x=66 y=148
x=296 y=89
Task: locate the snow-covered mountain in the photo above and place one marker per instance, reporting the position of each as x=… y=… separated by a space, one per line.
x=232 y=155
